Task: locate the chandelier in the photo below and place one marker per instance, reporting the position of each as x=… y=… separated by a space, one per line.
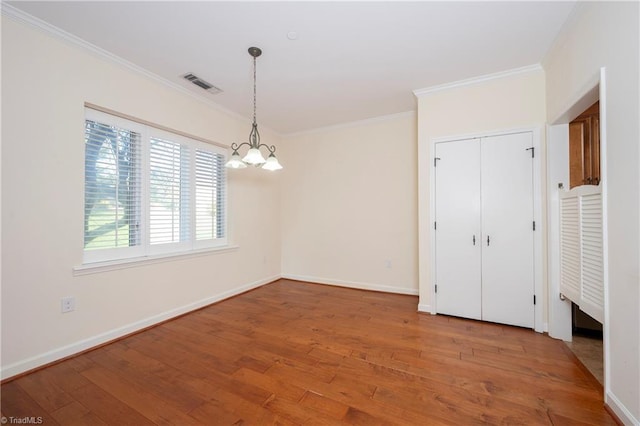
x=254 y=156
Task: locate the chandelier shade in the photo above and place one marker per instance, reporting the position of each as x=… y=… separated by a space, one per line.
x=254 y=156
x=272 y=163
x=235 y=162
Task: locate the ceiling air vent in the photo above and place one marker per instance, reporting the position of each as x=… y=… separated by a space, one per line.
x=201 y=83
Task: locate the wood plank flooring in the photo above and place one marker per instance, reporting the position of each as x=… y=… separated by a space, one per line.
x=298 y=353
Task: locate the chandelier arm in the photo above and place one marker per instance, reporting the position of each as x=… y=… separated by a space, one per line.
x=235 y=147
x=254 y=136
x=270 y=148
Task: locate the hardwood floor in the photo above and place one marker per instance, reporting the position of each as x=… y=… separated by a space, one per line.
x=298 y=353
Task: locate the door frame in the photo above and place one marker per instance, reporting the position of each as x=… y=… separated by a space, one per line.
x=595 y=89
x=535 y=131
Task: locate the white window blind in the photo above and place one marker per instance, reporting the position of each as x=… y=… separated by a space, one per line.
x=169 y=192
x=149 y=191
x=210 y=196
x=112 y=187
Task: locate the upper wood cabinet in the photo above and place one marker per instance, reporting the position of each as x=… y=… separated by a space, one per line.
x=584 y=148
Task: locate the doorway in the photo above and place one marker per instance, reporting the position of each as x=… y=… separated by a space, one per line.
x=485 y=227
x=566 y=322
x=586 y=343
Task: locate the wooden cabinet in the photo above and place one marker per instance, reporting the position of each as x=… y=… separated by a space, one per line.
x=584 y=148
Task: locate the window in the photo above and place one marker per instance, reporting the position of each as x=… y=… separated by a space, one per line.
x=148 y=191
x=169 y=192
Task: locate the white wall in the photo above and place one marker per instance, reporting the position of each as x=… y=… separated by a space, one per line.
x=503 y=102
x=349 y=206
x=45 y=83
x=606 y=34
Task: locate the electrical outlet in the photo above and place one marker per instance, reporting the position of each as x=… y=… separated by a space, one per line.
x=387 y=264
x=68 y=304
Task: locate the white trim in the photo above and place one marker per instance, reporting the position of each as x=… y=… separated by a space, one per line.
x=108 y=336
x=604 y=182
x=539 y=324
x=502 y=132
x=433 y=297
x=593 y=89
x=423 y=307
x=619 y=409
x=538 y=250
x=586 y=96
x=476 y=80
x=363 y=122
x=114 y=265
x=352 y=284
x=559 y=311
x=20 y=16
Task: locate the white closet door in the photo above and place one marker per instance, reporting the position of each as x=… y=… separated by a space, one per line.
x=507 y=226
x=457 y=200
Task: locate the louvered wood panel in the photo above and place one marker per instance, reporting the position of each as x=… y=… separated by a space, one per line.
x=570 y=248
x=591 y=242
x=581 y=249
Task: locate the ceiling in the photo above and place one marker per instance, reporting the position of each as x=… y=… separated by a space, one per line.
x=350 y=60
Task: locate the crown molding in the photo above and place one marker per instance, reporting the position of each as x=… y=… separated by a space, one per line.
x=22 y=17
x=476 y=80
x=362 y=122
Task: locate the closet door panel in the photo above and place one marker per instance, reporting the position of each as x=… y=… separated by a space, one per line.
x=507 y=226
x=457 y=215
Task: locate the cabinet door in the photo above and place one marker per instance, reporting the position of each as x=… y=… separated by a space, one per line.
x=584 y=148
x=577 y=135
x=457 y=233
x=507 y=226
x=594 y=148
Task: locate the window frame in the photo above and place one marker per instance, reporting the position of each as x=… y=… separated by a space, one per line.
x=145 y=249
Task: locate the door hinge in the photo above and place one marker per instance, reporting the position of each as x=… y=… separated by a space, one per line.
x=435 y=161
x=534 y=225
x=436 y=288
x=435 y=226
x=534 y=299
x=533 y=150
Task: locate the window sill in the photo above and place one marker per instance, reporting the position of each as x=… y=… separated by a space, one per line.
x=114 y=265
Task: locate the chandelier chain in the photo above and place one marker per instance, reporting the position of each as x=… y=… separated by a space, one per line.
x=254 y=89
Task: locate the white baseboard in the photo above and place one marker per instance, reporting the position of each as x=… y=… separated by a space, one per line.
x=82 y=345
x=620 y=410
x=352 y=284
x=423 y=307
